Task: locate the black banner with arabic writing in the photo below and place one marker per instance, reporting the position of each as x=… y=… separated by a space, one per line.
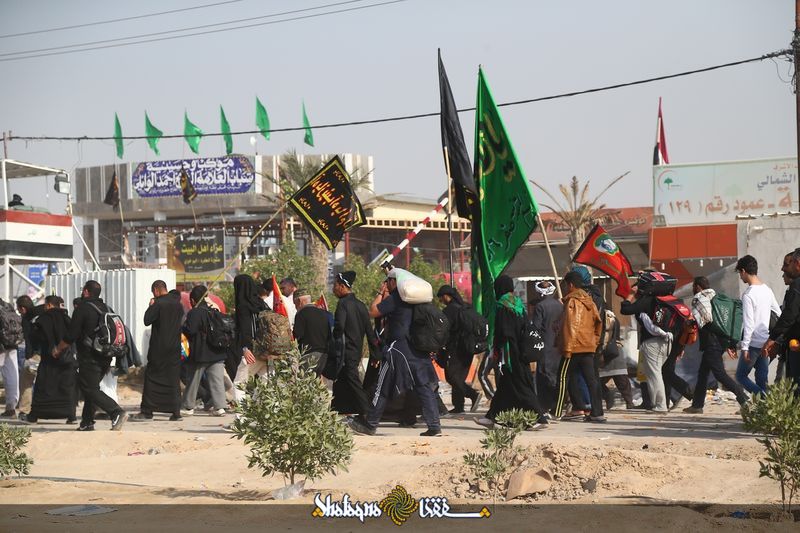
x=197 y=256
x=328 y=205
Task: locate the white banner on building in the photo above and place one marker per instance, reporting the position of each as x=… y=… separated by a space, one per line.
x=719 y=192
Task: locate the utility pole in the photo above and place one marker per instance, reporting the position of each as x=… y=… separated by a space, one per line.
x=5 y=140
x=796 y=50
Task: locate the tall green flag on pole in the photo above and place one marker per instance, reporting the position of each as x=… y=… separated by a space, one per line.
x=226 y=131
x=118 y=137
x=153 y=134
x=309 y=137
x=262 y=119
x=507 y=207
x=191 y=133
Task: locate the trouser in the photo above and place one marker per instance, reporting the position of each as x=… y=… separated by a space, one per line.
x=623 y=384
x=487 y=365
x=743 y=368
x=26 y=380
x=712 y=362
x=456 y=374
x=216 y=384
x=427 y=400
x=244 y=372
x=655 y=352
x=9 y=367
x=314 y=361
x=546 y=391
x=348 y=384
x=584 y=364
x=672 y=380
x=793 y=369
x=90 y=373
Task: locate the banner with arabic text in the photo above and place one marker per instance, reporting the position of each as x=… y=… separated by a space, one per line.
x=198 y=256
x=213 y=175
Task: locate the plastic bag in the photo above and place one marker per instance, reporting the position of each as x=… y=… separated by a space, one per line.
x=109 y=384
x=412 y=289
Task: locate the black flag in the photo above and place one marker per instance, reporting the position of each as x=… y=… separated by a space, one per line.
x=456 y=150
x=112 y=194
x=187 y=189
x=328 y=205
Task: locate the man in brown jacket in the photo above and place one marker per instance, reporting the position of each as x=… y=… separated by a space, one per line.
x=579 y=337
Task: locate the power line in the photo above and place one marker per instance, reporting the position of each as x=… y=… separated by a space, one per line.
x=32 y=54
x=110 y=21
x=424 y=115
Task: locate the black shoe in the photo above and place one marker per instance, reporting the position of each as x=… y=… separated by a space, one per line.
x=455 y=411
x=88 y=427
x=118 y=420
x=360 y=427
x=176 y=418
x=72 y=420
x=140 y=417
x=27 y=419
x=407 y=423
x=431 y=433
x=9 y=413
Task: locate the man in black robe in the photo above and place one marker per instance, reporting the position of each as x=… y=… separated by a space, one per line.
x=546 y=318
x=162 y=392
x=55 y=390
x=457 y=357
x=350 y=324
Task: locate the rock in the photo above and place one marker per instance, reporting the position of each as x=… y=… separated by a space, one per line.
x=573 y=462
x=589 y=485
x=154 y=451
x=483 y=486
x=528 y=481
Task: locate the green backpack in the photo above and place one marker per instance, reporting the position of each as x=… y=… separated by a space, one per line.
x=726 y=314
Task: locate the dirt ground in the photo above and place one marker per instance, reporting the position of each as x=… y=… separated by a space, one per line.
x=663 y=473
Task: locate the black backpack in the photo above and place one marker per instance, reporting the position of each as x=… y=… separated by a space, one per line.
x=10 y=326
x=532 y=344
x=430 y=328
x=474 y=330
x=220 y=330
x=109 y=338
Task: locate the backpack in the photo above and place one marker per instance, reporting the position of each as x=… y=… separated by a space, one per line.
x=656 y=283
x=532 y=344
x=726 y=318
x=474 y=330
x=673 y=316
x=108 y=339
x=273 y=335
x=11 y=334
x=430 y=328
x=220 y=330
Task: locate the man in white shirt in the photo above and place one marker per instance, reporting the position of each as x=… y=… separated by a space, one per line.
x=288 y=288
x=758 y=302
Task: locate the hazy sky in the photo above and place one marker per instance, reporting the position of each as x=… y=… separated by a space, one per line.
x=381 y=62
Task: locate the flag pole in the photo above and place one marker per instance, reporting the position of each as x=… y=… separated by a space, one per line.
x=549 y=254
x=449 y=217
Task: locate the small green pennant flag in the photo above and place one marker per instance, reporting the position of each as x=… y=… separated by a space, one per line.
x=191 y=133
x=309 y=137
x=118 y=137
x=262 y=119
x=226 y=131
x=153 y=134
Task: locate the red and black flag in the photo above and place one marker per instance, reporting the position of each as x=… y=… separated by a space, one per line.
x=328 y=205
x=660 y=155
x=187 y=189
x=455 y=150
x=112 y=194
x=600 y=252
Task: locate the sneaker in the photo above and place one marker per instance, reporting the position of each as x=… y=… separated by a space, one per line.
x=9 y=413
x=534 y=427
x=88 y=427
x=693 y=410
x=27 y=419
x=485 y=422
x=219 y=412
x=140 y=417
x=431 y=433
x=187 y=412
x=476 y=402
x=118 y=420
x=676 y=403
x=360 y=427
x=574 y=415
x=591 y=418
x=72 y=420
x=176 y=418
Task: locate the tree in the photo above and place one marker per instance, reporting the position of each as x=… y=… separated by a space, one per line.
x=286 y=262
x=293 y=174
x=580 y=212
x=12 y=459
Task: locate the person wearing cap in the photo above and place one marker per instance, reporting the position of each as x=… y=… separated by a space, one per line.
x=311 y=330
x=546 y=317
x=351 y=324
x=456 y=354
x=402 y=367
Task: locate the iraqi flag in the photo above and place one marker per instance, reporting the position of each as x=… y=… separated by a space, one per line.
x=601 y=252
x=660 y=155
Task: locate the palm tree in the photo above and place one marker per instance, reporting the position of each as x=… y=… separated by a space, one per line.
x=580 y=212
x=293 y=173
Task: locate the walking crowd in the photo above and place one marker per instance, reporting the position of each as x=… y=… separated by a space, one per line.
x=553 y=357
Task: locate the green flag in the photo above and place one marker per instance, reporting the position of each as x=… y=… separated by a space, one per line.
x=191 y=133
x=226 y=131
x=262 y=119
x=118 y=137
x=309 y=137
x=153 y=134
x=507 y=208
